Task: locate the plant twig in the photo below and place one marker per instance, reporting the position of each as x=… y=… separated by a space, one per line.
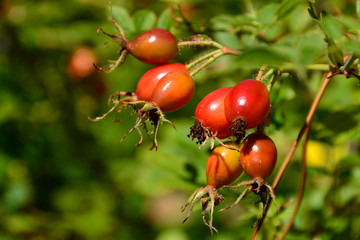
x=116 y=25
x=202 y=58
x=207 y=43
x=326 y=80
x=312 y=67
x=301 y=187
x=206 y=63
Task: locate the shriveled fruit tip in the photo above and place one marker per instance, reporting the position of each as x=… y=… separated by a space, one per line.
x=238 y=128
x=197 y=131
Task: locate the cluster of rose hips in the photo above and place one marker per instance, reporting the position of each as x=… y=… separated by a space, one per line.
x=224 y=113
x=164 y=88
x=228 y=112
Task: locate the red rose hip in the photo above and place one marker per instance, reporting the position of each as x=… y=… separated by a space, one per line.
x=246 y=106
x=257 y=158
x=222 y=168
x=211 y=113
x=223 y=165
x=155 y=46
x=248 y=100
x=173 y=91
x=258 y=155
x=148 y=81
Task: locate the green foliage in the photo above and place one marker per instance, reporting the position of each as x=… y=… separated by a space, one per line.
x=64 y=177
x=252 y=58
x=164 y=19
x=122 y=16
x=286 y=7
x=144 y=20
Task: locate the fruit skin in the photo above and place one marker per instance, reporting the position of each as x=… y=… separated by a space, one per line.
x=155 y=46
x=148 y=81
x=81 y=63
x=258 y=155
x=211 y=112
x=223 y=165
x=248 y=100
x=173 y=91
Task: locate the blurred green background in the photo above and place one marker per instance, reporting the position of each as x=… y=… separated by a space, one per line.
x=65 y=177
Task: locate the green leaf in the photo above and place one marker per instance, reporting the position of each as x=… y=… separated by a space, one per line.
x=312 y=11
x=144 y=20
x=352 y=46
x=309 y=48
x=256 y=57
x=348 y=22
x=164 y=20
x=331 y=26
x=123 y=18
x=223 y=22
x=228 y=40
x=286 y=7
x=345 y=117
x=332 y=30
x=358 y=7
x=267 y=14
x=233 y=23
x=334 y=52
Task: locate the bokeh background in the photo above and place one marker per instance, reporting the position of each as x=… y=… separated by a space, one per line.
x=65 y=177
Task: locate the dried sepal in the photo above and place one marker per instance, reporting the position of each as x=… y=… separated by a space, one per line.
x=144 y=111
x=209 y=199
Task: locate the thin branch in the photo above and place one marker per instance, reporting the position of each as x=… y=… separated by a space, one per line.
x=311 y=67
x=208 y=43
x=230 y=51
x=202 y=58
x=116 y=25
x=301 y=187
x=326 y=80
x=206 y=63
